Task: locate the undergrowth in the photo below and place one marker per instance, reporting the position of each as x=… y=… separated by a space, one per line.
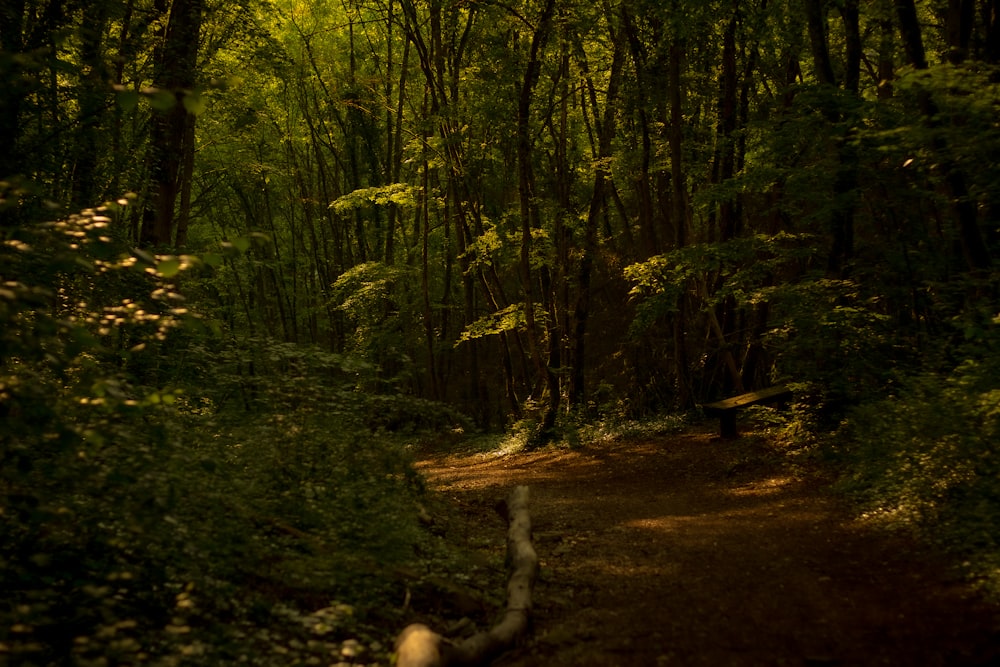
x=172 y=495
x=572 y=431
x=925 y=457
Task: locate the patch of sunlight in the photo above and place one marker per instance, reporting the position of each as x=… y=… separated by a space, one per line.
x=512 y=443
x=667 y=523
x=632 y=569
x=493 y=446
x=651 y=523
x=767 y=487
x=891 y=516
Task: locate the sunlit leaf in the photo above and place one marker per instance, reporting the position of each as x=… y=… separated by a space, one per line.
x=242 y=243
x=168 y=268
x=161 y=100
x=194 y=103
x=212 y=259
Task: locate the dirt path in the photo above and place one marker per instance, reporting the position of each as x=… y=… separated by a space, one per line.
x=690 y=550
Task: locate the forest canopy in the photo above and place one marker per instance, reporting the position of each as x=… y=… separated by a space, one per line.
x=249 y=250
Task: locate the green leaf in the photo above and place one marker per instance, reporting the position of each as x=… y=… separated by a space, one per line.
x=510 y=318
x=168 y=268
x=194 y=103
x=242 y=243
x=212 y=259
x=128 y=100
x=161 y=100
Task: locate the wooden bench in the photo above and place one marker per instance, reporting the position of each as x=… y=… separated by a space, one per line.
x=726 y=409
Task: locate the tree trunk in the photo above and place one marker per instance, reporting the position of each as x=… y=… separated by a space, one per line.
x=991 y=26
x=961 y=18
x=675 y=96
x=529 y=208
x=850 y=16
x=91 y=100
x=841 y=218
x=725 y=152
x=12 y=42
x=598 y=203
x=816 y=21
x=648 y=237
x=678 y=211
x=171 y=129
x=909 y=29
x=886 y=64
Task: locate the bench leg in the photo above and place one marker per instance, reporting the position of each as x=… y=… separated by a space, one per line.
x=727 y=424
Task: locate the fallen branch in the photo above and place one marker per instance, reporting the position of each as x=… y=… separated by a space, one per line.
x=419 y=646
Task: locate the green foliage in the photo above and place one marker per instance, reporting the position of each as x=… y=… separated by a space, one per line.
x=964 y=129
x=377 y=302
x=927 y=456
x=85 y=453
x=574 y=429
x=829 y=335
x=354 y=210
x=398 y=194
x=142 y=523
x=619 y=427
x=511 y=318
x=400 y=413
x=743 y=269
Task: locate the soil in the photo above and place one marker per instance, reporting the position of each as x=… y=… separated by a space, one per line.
x=693 y=550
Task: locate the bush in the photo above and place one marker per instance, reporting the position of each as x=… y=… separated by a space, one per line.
x=927 y=456
x=148 y=523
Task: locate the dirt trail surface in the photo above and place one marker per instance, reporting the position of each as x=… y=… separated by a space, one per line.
x=692 y=550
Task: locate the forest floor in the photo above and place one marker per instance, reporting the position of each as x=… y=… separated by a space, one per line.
x=692 y=550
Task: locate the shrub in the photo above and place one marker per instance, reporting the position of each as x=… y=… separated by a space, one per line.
x=927 y=456
x=140 y=522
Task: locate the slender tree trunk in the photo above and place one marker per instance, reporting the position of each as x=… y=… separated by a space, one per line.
x=886 y=63
x=725 y=153
x=598 y=204
x=425 y=285
x=675 y=96
x=851 y=18
x=391 y=128
x=816 y=22
x=722 y=319
x=909 y=29
x=990 y=14
x=125 y=45
x=529 y=213
x=12 y=42
x=646 y=218
x=678 y=209
x=91 y=101
x=960 y=21
x=845 y=182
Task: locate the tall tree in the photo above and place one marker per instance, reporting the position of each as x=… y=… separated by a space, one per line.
x=530 y=220
x=602 y=183
x=172 y=132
